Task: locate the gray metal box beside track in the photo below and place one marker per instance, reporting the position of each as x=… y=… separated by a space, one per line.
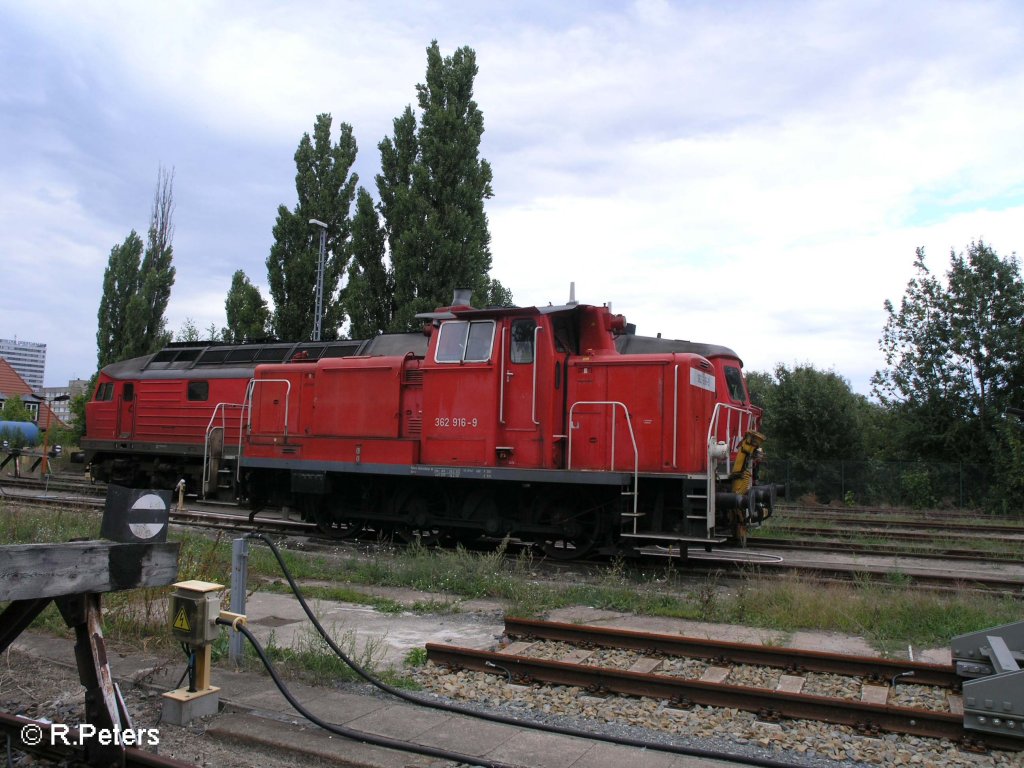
x=994 y=697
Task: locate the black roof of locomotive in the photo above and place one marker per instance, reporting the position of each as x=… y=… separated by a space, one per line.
x=630 y=344
x=212 y=360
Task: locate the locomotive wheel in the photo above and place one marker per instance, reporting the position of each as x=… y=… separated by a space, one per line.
x=340 y=529
x=317 y=509
x=578 y=524
x=416 y=508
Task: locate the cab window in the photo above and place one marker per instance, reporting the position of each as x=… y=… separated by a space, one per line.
x=128 y=393
x=461 y=341
x=105 y=391
x=734 y=380
x=522 y=340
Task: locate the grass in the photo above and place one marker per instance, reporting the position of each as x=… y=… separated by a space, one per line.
x=889 y=615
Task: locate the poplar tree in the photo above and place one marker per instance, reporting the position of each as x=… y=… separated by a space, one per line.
x=137 y=285
x=247 y=312
x=403 y=214
x=370 y=295
x=325 y=190
x=120 y=282
x=432 y=188
x=452 y=180
x=156 y=274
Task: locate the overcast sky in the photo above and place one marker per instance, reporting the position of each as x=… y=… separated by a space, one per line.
x=753 y=174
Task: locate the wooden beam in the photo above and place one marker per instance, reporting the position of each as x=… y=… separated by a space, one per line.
x=36 y=571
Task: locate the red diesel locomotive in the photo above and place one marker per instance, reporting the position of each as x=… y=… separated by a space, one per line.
x=554 y=425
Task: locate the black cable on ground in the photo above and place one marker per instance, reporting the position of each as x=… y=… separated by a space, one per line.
x=625 y=741
x=340 y=730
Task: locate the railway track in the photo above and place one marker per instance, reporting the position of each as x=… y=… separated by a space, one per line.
x=688 y=671
x=910 y=569
x=924 y=519
x=822 y=544
x=57 y=482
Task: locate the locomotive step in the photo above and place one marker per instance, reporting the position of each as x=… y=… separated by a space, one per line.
x=675 y=538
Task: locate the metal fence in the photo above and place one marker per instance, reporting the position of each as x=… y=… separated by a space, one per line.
x=880 y=483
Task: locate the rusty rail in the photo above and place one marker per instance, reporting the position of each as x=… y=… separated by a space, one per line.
x=800 y=706
x=870 y=667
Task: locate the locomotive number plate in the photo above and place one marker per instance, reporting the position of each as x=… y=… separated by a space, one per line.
x=455 y=422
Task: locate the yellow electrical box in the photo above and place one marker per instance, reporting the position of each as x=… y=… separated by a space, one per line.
x=194 y=608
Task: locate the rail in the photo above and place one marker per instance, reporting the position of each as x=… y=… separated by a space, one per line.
x=877 y=709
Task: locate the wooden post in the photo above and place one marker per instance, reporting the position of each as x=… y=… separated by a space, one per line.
x=74 y=574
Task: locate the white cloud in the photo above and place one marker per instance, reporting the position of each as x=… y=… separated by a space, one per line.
x=754 y=175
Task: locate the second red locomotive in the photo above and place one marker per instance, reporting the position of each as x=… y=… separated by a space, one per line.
x=554 y=424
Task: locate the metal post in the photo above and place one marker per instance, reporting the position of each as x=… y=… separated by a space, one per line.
x=318 y=318
x=239 y=579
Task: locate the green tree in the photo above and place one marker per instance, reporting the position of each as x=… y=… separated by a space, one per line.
x=432 y=188
x=760 y=384
x=810 y=414
x=370 y=294
x=497 y=295
x=325 y=191
x=190 y=332
x=77 y=406
x=137 y=285
x=120 y=283
x=401 y=210
x=953 y=356
x=247 y=311
x=1008 y=465
x=14 y=409
x=453 y=178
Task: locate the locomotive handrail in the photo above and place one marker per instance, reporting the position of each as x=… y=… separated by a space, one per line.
x=501 y=378
x=249 y=390
x=536 y=333
x=675 y=419
x=629 y=423
x=742 y=412
x=209 y=430
x=744 y=423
